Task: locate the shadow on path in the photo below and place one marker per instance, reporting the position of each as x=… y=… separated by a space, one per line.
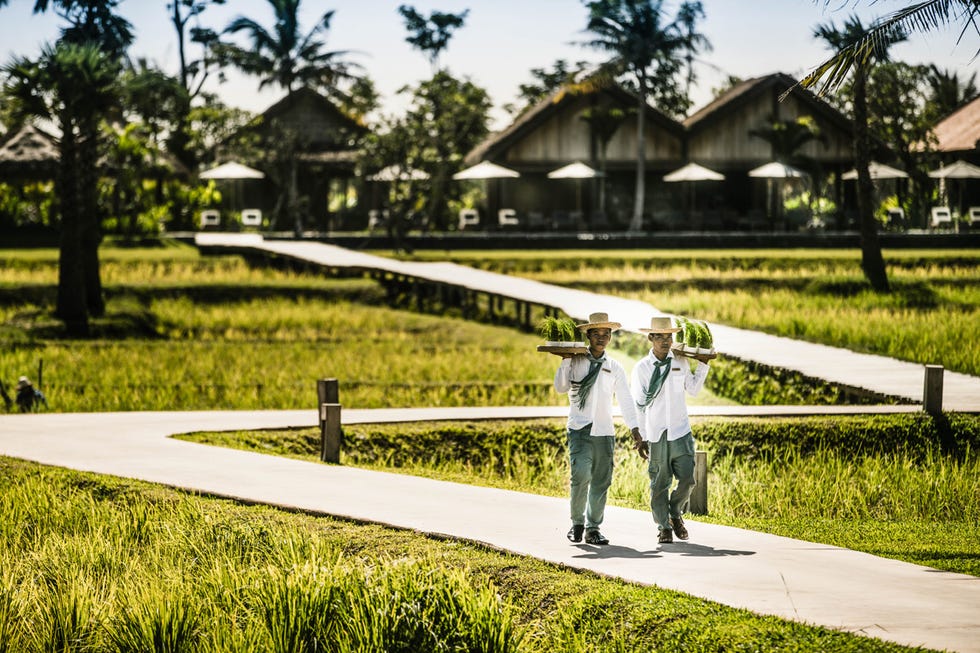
x=701 y=551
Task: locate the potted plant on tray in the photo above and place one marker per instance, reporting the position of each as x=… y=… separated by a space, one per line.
x=559 y=334
x=695 y=338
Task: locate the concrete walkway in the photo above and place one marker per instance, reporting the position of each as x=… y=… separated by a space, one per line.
x=812 y=583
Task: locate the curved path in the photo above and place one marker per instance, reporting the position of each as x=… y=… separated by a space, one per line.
x=766 y=574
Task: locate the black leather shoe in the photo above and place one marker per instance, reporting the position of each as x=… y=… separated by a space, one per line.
x=575 y=533
x=678 y=525
x=666 y=536
x=595 y=537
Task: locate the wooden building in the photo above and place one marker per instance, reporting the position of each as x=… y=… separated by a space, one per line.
x=29 y=154
x=567 y=127
x=958 y=135
x=310 y=152
x=718 y=136
x=723 y=136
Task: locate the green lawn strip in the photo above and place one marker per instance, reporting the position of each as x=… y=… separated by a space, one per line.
x=99 y=561
x=902 y=486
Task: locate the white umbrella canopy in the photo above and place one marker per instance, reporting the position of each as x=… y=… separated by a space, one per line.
x=878 y=171
x=232 y=170
x=959 y=169
x=577 y=170
x=693 y=172
x=486 y=170
x=769 y=172
x=398 y=173
x=233 y=173
x=775 y=170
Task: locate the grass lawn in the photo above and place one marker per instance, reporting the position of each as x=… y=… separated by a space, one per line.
x=184 y=332
x=94 y=563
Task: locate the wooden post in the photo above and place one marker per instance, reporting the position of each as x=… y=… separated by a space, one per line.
x=327 y=392
x=330 y=435
x=698 y=503
x=932 y=390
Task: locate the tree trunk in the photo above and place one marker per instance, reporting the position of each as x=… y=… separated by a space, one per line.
x=90 y=224
x=636 y=223
x=872 y=262
x=436 y=207
x=293 y=201
x=71 y=305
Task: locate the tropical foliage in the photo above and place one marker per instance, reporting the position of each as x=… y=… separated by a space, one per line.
x=651 y=49
x=286 y=56
x=850 y=34
x=915 y=17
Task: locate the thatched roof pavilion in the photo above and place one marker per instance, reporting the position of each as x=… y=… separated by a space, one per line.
x=29 y=153
x=959 y=133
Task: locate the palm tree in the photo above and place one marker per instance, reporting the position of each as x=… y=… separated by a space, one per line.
x=290 y=59
x=948 y=92
x=286 y=57
x=919 y=16
x=653 y=52
x=604 y=121
x=854 y=32
x=74 y=85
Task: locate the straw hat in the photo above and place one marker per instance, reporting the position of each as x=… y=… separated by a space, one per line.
x=23 y=382
x=599 y=321
x=661 y=325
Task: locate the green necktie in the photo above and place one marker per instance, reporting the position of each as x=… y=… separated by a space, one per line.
x=660 y=371
x=581 y=389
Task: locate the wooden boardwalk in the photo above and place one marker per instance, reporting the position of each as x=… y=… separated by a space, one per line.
x=461 y=285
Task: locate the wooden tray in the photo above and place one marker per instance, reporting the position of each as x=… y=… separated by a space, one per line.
x=679 y=351
x=548 y=349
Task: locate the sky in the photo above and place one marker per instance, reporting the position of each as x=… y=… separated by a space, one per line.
x=502 y=40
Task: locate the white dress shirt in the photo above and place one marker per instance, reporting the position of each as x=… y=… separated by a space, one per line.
x=612 y=381
x=668 y=410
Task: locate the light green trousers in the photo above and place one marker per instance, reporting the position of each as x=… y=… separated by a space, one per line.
x=591 y=461
x=670 y=460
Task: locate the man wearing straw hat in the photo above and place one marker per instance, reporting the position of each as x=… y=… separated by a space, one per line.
x=591 y=381
x=658 y=383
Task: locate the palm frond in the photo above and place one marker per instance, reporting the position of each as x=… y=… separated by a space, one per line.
x=922 y=16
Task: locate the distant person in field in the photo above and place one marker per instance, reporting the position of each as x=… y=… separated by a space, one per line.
x=658 y=383
x=591 y=381
x=29 y=399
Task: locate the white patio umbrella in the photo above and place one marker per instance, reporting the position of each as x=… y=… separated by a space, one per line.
x=577 y=171
x=486 y=170
x=959 y=169
x=693 y=172
x=877 y=171
x=690 y=173
x=233 y=172
x=775 y=170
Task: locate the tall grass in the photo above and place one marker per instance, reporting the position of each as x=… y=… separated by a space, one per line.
x=204 y=575
x=107 y=569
